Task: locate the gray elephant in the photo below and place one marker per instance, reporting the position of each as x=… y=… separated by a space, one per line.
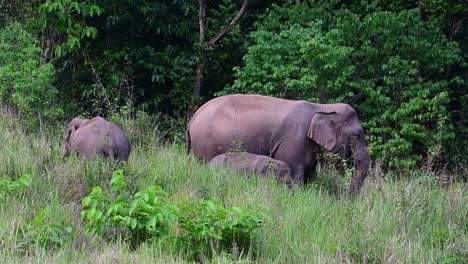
x=286 y=130
x=244 y=162
x=98 y=136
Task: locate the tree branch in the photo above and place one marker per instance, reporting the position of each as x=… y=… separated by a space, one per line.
x=203 y=45
x=230 y=26
x=201 y=20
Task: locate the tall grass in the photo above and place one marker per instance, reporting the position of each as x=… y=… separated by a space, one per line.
x=410 y=220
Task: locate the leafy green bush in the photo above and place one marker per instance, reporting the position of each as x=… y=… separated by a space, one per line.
x=25 y=82
x=393 y=67
x=207 y=226
x=196 y=228
x=141 y=216
x=8 y=186
x=48 y=230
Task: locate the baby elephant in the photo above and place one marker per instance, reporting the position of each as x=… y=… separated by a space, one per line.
x=98 y=136
x=247 y=162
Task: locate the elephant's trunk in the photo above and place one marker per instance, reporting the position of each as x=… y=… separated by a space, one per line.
x=65 y=152
x=361 y=161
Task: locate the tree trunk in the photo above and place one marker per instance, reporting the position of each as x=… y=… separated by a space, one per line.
x=201 y=53
x=203 y=45
x=198 y=82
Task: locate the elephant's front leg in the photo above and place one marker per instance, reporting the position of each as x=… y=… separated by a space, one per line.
x=291 y=153
x=297 y=172
x=310 y=173
x=297 y=175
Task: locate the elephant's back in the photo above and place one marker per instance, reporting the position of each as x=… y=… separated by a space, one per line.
x=233 y=122
x=230 y=105
x=218 y=161
x=89 y=132
x=238 y=111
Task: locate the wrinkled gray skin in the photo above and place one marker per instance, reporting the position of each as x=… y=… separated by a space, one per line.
x=98 y=136
x=286 y=130
x=246 y=162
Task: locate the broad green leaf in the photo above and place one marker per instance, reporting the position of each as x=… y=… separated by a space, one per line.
x=98 y=215
x=133 y=223
x=152 y=222
x=133 y=205
x=86 y=201
x=145 y=197
x=90 y=213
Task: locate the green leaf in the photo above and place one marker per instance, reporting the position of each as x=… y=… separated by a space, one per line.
x=86 y=201
x=75 y=5
x=98 y=215
x=58 y=51
x=98 y=10
x=236 y=210
x=152 y=222
x=133 y=223
x=25 y=179
x=83 y=214
x=133 y=205
x=91 y=11
x=90 y=213
x=145 y=196
x=117 y=176
x=160 y=217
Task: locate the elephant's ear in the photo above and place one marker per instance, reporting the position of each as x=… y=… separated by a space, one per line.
x=67 y=134
x=72 y=126
x=323 y=129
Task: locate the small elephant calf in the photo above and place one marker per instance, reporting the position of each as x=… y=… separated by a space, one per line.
x=247 y=162
x=89 y=137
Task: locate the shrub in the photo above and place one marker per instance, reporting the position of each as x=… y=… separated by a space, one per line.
x=8 y=186
x=196 y=228
x=205 y=227
x=25 y=82
x=141 y=216
x=48 y=230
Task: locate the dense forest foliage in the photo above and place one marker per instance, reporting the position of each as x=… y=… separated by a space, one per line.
x=401 y=64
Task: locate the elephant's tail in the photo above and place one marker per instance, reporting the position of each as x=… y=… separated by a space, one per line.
x=187 y=140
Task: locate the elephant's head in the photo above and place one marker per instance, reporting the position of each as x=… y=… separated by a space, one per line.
x=71 y=128
x=336 y=128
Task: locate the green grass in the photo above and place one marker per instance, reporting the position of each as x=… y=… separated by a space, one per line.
x=414 y=219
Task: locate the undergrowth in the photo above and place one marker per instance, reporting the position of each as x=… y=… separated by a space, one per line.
x=166 y=207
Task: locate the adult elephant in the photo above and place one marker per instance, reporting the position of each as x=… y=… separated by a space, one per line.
x=88 y=137
x=286 y=130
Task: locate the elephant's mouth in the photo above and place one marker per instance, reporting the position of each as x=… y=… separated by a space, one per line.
x=344 y=151
x=361 y=163
x=357 y=157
